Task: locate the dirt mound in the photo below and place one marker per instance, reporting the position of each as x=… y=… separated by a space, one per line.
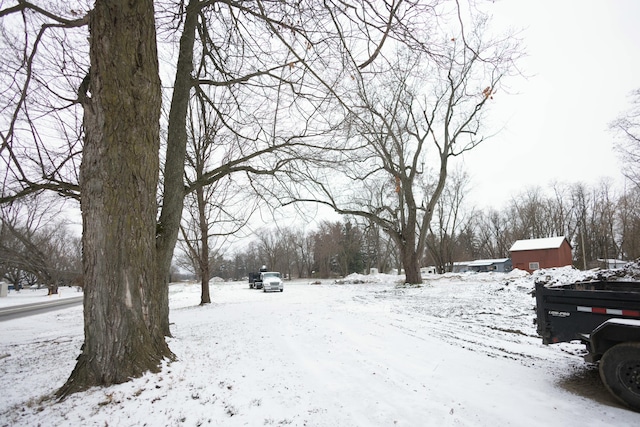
x=568 y=275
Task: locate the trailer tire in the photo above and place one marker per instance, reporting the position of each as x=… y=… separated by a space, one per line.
x=620 y=373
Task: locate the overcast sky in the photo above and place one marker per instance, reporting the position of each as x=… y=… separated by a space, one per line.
x=583 y=60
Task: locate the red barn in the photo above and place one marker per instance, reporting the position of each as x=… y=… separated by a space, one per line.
x=533 y=254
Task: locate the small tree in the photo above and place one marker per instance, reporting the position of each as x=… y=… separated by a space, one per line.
x=326 y=248
x=215 y=208
x=350 y=256
x=629 y=220
x=449 y=219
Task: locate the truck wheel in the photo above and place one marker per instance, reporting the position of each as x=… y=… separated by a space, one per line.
x=620 y=372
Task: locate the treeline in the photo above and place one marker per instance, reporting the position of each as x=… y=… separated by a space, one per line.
x=36 y=246
x=599 y=221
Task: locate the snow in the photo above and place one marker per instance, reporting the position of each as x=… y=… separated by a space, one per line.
x=486 y=262
x=460 y=350
x=34 y=296
x=535 y=244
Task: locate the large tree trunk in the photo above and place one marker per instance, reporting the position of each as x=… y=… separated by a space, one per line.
x=407 y=240
x=119 y=175
x=410 y=259
x=411 y=267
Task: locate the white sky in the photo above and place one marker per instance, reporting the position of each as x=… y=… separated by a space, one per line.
x=583 y=61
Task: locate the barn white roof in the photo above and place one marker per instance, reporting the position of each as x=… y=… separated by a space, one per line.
x=535 y=244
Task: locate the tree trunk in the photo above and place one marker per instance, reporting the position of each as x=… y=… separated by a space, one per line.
x=173 y=194
x=410 y=262
x=205 y=274
x=119 y=175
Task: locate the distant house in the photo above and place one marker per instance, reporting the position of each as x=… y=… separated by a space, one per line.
x=428 y=270
x=461 y=267
x=501 y=265
x=533 y=254
x=612 y=263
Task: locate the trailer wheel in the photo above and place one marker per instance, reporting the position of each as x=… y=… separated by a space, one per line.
x=620 y=372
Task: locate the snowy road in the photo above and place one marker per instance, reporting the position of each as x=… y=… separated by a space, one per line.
x=9 y=313
x=454 y=352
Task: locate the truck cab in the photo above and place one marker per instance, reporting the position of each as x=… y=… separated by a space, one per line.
x=271 y=281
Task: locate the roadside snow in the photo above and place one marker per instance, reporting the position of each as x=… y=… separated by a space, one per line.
x=28 y=296
x=460 y=350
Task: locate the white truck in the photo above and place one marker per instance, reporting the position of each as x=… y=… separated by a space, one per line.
x=271 y=281
x=266 y=280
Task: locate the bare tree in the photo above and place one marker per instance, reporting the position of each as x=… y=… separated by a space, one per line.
x=449 y=219
x=223 y=49
x=35 y=245
x=43 y=54
x=326 y=248
x=529 y=215
x=350 y=258
x=407 y=116
x=288 y=254
x=210 y=222
x=604 y=222
x=270 y=245
x=627 y=130
x=492 y=234
x=629 y=223
x=563 y=214
x=217 y=210
x=597 y=235
x=303 y=246
x=377 y=247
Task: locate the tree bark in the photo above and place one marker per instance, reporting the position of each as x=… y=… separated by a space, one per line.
x=410 y=256
x=119 y=176
x=173 y=194
x=203 y=256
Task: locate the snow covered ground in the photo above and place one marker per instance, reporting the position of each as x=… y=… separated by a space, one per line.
x=459 y=351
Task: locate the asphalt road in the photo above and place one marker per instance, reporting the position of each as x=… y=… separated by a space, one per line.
x=23 y=310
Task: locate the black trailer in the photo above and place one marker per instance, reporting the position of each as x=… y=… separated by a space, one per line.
x=605 y=316
x=255 y=279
